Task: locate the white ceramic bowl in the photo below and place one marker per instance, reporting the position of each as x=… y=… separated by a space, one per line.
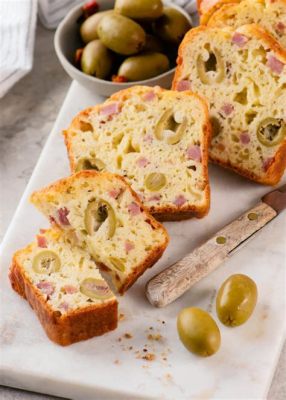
x=67 y=40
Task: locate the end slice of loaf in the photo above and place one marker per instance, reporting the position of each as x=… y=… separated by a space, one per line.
x=207 y=8
x=64 y=287
x=104 y=216
x=270 y=15
x=242 y=74
x=157 y=139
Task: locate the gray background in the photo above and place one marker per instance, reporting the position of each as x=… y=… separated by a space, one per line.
x=28 y=113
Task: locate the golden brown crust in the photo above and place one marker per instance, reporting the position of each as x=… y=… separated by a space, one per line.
x=68 y=328
x=163 y=213
x=278 y=165
x=207 y=12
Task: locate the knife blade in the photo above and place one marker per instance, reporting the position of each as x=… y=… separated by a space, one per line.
x=175 y=280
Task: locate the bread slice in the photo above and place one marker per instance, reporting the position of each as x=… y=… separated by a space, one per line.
x=242 y=73
x=270 y=15
x=64 y=287
x=157 y=139
x=104 y=216
x=206 y=8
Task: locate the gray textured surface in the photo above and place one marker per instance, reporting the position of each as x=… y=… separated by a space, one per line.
x=27 y=116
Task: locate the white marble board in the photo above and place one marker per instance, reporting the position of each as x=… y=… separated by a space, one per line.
x=106 y=368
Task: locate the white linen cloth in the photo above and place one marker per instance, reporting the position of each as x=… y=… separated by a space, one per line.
x=18 y=27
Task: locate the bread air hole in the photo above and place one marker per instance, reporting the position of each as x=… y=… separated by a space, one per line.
x=85 y=126
x=250 y=116
x=241 y=97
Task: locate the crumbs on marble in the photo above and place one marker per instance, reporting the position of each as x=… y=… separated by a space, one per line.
x=117 y=362
x=122 y=317
x=149 y=357
x=127 y=335
x=155 y=337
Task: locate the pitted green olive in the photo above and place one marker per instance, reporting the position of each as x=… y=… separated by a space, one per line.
x=88 y=29
x=95 y=289
x=170 y=127
x=139 y=9
x=121 y=34
x=271 y=131
x=96 y=213
x=155 y=181
x=172 y=25
x=143 y=66
x=46 y=262
x=117 y=264
x=198 y=331
x=96 y=60
x=236 y=300
x=211 y=70
x=90 y=163
x=153 y=44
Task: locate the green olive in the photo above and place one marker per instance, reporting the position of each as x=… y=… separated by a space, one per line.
x=198 y=331
x=90 y=163
x=144 y=66
x=170 y=127
x=155 y=181
x=139 y=9
x=95 y=288
x=96 y=213
x=211 y=70
x=96 y=60
x=88 y=29
x=121 y=34
x=236 y=300
x=172 y=26
x=153 y=43
x=271 y=131
x=46 y=262
x=117 y=264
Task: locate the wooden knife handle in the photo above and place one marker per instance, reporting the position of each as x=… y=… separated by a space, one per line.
x=175 y=280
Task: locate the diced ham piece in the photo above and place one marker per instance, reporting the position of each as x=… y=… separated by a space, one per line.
x=239 y=40
x=180 y=200
x=129 y=246
x=280 y=27
x=133 y=209
x=69 y=289
x=46 y=287
x=42 y=241
x=266 y=163
x=183 y=85
x=62 y=215
x=227 y=109
x=52 y=220
x=142 y=162
x=148 y=139
x=115 y=193
x=110 y=109
x=155 y=197
x=244 y=137
x=274 y=64
x=149 y=96
x=64 y=306
x=194 y=153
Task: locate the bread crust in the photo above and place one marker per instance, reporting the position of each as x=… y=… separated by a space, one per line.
x=68 y=328
x=278 y=165
x=207 y=12
x=163 y=213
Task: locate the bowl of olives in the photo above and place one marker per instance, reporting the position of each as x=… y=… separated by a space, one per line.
x=109 y=45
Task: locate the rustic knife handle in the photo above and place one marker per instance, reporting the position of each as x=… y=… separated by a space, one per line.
x=175 y=280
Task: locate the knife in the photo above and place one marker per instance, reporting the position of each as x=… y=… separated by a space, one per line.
x=175 y=280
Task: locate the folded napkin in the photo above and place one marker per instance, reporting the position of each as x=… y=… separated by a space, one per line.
x=17 y=32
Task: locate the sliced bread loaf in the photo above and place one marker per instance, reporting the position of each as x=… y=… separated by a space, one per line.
x=206 y=8
x=269 y=14
x=104 y=216
x=242 y=73
x=157 y=139
x=64 y=287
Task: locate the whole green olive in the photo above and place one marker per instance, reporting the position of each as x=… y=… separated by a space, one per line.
x=121 y=34
x=271 y=131
x=236 y=300
x=88 y=29
x=96 y=60
x=198 y=331
x=153 y=44
x=143 y=66
x=139 y=9
x=172 y=26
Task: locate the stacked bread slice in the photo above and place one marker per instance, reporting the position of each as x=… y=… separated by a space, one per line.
x=64 y=287
x=157 y=139
x=242 y=74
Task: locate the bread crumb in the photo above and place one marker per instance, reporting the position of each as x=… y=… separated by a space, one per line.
x=121 y=317
x=116 y=362
x=127 y=335
x=157 y=337
x=119 y=339
x=149 y=357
